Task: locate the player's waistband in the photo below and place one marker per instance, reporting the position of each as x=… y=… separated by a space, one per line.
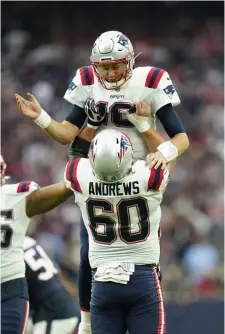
x=143 y=266
x=150 y=265
x=14 y=288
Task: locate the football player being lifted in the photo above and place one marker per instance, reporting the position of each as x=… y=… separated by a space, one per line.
x=98 y=94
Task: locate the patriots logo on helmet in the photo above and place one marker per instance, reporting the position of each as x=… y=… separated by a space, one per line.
x=123 y=40
x=169 y=90
x=124 y=144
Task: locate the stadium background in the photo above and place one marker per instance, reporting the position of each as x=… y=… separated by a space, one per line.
x=43 y=43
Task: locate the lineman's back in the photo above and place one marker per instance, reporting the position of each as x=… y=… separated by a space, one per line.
x=122 y=218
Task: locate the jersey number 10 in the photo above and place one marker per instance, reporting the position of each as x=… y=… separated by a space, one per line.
x=114 y=113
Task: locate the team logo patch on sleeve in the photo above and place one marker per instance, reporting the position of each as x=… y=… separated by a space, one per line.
x=170 y=90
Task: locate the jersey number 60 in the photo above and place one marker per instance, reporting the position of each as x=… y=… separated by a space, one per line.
x=124 y=220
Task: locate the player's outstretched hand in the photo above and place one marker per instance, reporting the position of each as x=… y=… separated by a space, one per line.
x=143 y=108
x=30 y=109
x=156 y=160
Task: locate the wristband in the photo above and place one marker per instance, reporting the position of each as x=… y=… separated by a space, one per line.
x=43 y=119
x=168 y=150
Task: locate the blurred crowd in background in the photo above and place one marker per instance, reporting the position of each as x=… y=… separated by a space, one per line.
x=44 y=43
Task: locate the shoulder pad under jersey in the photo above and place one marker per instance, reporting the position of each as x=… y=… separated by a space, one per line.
x=155 y=77
x=79 y=89
x=154 y=179
x=149 y=76
x=86 y=75
x=159 y=78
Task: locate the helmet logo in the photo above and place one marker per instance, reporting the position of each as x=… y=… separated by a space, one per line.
x=124 y=144
x=123 y=40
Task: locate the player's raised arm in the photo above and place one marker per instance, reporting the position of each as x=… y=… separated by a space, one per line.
x=47 y=198
x=165 y=112
x=69 y=129
x=63 y=132
x=78 y=94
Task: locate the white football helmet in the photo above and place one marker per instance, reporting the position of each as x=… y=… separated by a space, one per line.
x=113 y=47
x=111 y=155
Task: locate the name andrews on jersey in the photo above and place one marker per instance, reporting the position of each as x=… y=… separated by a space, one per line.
x=115 y=189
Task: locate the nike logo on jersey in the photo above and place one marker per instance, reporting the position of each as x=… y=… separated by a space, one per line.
x=115 y=189
x=116 y=96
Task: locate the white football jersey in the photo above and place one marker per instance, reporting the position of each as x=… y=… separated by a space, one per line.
x=122 y=219
x=147 y=83
x=14 y=224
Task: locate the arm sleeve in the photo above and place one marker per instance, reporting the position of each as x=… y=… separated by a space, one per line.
x=170 y=120
x=77 y=116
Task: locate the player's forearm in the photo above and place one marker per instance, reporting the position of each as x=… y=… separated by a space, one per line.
x=181 y=142
x=80 y=145
x=152 y=139
x=87 y=133
x=46 y=199
x=63 y=133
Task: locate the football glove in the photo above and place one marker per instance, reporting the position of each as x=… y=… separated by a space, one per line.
x=94 y=114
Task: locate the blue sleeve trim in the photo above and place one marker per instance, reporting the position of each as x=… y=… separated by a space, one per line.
x=170 y=120
x=76 y=116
